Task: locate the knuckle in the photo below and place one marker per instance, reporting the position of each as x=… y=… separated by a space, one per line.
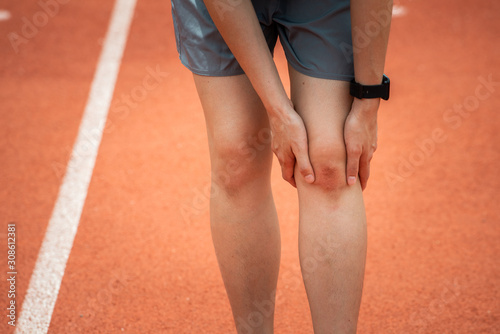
x=352 y=167
x=305 y=171
x=299 y=144
x=354 y=150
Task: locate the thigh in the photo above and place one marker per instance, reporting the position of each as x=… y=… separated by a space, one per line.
x=323 y=105
x=237 y=123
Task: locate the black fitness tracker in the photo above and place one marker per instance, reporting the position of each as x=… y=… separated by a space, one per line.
x=371 y=91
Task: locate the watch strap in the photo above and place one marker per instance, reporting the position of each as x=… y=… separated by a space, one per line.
x=371 y=91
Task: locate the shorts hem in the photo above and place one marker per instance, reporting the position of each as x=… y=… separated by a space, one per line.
x=223 y=73
x=322 y=75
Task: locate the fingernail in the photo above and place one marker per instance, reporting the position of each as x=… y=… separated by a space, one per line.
x=309 y=178
x=351 y=180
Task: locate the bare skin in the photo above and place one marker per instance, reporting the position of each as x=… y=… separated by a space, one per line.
x=243 y=217
x=332 y=222
x=324 y=150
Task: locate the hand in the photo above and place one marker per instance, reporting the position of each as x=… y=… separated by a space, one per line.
x=360 y=135
x=289 y=143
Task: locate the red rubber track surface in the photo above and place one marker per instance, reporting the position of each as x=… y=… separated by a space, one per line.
x=143 y=261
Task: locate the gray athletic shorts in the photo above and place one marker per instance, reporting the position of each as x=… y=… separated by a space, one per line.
x=316 y=36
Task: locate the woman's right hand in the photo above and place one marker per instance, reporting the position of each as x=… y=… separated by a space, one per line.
x=243 y=34
x=289 y=143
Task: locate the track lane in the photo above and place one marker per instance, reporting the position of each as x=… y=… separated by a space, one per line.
x=43 y=90
x=56 y=247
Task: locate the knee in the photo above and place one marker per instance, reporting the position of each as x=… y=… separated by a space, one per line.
x=328 y=159
x=237 y=165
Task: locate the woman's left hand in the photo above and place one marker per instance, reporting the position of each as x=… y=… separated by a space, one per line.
x=360 y=136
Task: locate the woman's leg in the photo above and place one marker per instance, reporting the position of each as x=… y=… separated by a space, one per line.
x=243 y=217
x=332 y=229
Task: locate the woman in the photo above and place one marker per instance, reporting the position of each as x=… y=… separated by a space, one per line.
x=323 y=138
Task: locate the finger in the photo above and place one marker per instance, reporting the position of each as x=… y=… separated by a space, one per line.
x=353 y=154
x=303 y=162
x=370 y=157
x=287 y=170
x=364 y=171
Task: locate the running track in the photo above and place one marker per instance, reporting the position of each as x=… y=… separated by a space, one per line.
x=142 y=259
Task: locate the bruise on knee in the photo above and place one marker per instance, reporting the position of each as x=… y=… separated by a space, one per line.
x=231 y=176
x=330 y=178
x=328 y=158
x=233 y=171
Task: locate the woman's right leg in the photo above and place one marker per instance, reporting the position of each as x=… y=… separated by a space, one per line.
x=243 y=217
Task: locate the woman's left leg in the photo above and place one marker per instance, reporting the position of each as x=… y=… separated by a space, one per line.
x=332 y=227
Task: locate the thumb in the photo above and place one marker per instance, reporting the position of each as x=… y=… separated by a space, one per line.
x=352 y=165
x=304 y=163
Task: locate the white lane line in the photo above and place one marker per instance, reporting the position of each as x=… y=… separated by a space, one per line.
x=49 y=269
